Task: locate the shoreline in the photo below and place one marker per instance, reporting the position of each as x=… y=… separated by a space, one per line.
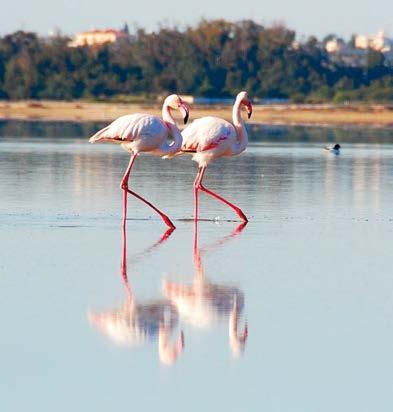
x=287 y=114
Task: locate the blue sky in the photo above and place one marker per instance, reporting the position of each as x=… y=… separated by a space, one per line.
x=343 y=17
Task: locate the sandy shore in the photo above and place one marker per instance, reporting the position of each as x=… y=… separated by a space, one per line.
x=367 y=115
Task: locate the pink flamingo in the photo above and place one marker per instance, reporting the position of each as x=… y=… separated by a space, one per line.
x=146 y=133
x=211 y=137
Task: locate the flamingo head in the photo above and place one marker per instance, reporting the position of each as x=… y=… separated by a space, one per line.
x=245 y=101
x=175 y=102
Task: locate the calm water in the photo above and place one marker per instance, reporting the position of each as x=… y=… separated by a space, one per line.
x=310 y=276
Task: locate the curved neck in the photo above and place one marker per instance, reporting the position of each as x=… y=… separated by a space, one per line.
x=166 y=114
x=172 y=148
x=238 y=123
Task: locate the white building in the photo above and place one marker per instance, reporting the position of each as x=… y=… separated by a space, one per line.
x=357 y=56
x=334 y=45
x=378 y=42
x=97 y=38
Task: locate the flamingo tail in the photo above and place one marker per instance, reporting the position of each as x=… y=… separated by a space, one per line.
x=170 y=156
x=101 y=135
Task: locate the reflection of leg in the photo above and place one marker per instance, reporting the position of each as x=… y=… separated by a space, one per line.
x=195 y=238
x=123 y=266
x=196 y=252
x=165 y=236
x=237 y=341
x=238 y=211
x=124 y=186
x=239 y=229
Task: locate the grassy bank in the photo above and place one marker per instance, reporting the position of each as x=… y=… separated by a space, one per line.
x=367 y=115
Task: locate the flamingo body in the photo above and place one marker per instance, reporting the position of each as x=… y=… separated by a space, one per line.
x=209 y=138
x=136 y=132
x=203 y=304
x=133 y=325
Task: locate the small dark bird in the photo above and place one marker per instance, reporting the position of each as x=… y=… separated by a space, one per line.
x=335 y=149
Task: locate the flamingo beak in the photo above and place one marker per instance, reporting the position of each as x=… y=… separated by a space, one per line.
x=249 y=109
x=185 y=112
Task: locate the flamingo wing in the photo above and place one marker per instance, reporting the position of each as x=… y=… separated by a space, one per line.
x=207 y=133
x=131 y=127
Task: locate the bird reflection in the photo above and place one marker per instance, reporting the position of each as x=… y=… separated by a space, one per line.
x=135 y=323
x=203 y=303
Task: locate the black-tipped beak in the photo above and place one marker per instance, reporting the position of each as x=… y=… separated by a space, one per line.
x=185 y=112
x=186 y=118
x=249 y=110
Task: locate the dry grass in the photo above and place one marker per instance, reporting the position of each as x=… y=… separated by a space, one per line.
x=370 y=115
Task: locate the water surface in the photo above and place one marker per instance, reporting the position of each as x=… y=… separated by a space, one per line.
x=310 y=276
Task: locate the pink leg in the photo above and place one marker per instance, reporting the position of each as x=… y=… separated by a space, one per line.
x=238 y=211
x=124 y=186
x=196 y=197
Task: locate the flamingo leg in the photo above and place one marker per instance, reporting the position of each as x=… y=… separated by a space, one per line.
x=196 y=197
x=238 y=211
x=124 y=186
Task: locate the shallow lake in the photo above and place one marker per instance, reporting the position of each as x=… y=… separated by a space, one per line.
x=293 y=312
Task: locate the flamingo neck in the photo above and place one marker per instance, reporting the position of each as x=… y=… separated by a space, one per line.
x=172 y=148
x=240 y=127
x=166 y=114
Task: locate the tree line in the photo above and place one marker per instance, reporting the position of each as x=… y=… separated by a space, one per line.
x=216 y=58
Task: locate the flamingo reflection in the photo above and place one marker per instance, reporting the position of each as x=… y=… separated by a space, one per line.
x=134 y=323
x=203 y=303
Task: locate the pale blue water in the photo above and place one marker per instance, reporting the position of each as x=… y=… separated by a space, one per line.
x=311 y=275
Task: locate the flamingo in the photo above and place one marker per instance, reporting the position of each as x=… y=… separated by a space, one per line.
x=134 y=323
x=203 y=303
x=145 y=133
x=210 y=138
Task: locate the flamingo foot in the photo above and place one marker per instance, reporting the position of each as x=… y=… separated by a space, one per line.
x=242 y=215
x=168 y=222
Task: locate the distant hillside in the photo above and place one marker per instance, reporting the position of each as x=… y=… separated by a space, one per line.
x=214 y=59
